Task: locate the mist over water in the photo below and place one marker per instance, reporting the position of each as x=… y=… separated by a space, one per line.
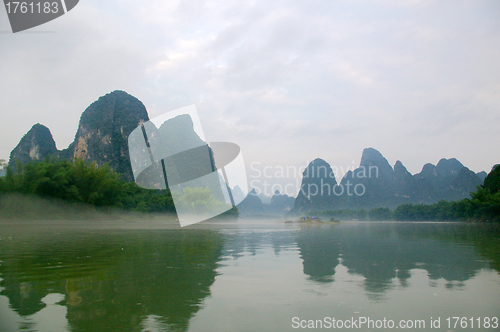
x=14 y=206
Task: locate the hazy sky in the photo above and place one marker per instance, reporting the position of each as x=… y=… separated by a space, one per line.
x=289 y=81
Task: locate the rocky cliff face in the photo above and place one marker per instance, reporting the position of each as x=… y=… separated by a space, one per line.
x=465 y=182
x=448 y=180
x=369 y=185
x=404 y=184
x=36 y=144
x=318 y=189
x=104 y=129
x=101 y=136
x=441 y=174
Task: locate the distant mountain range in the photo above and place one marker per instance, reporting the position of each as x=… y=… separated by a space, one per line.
x=106 y=124
x=259 y=204
x=375 y=183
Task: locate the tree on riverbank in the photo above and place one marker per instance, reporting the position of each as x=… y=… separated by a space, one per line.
x=83 y=182
x=484 y=204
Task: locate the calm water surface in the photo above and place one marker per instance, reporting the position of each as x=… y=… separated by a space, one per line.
x=250 y=276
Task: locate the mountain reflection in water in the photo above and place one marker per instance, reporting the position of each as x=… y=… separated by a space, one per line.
x=156 y=280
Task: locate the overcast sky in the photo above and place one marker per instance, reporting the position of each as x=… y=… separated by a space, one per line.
x=289 y=81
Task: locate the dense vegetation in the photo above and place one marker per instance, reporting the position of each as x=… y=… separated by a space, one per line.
x=484 y=205
x=83 y=182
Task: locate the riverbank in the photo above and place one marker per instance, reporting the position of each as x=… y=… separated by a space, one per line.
x=15 y=206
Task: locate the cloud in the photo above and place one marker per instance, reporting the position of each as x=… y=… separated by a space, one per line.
x=292 y=80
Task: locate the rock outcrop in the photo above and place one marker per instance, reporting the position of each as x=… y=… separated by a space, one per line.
x=103 y=131
x=101 y=136
x=36 y=144
x=318 y=189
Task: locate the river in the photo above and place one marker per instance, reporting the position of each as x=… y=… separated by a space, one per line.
x=250 y=275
